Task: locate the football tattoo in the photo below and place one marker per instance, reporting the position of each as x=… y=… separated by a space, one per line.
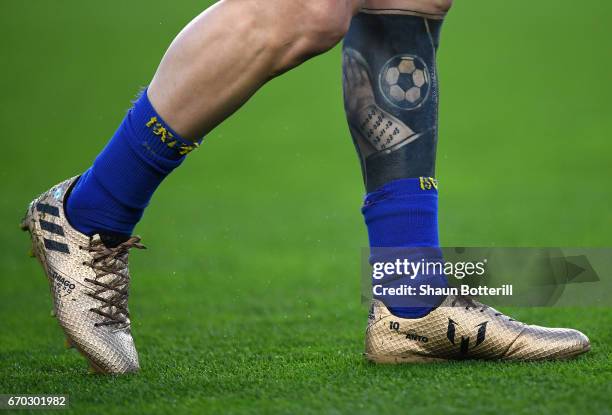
x=404 y=81
x=391 y=95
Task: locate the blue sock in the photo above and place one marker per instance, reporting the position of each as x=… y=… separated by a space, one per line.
x=111 y=196
x=403 y=215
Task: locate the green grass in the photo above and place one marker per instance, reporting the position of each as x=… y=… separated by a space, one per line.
x=248 y=298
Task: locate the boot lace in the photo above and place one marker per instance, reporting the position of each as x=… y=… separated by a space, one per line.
x=112 y=293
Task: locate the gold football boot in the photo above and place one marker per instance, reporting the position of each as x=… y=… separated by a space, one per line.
x=461 y=328
x=89 y=282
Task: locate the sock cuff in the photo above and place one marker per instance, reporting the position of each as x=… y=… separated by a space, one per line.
x=403 y=189
x=112 y=194
x=150 y=129
x=143 y=151
x=403 y=213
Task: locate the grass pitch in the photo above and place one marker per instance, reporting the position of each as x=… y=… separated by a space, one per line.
x=248 y=298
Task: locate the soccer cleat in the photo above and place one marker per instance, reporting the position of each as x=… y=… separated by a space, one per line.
x=461 y=328
x=89 y=282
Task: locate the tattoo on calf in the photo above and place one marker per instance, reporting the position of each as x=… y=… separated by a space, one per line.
x=391 y=95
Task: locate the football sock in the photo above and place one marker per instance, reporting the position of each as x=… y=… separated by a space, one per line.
x=403 y=213
x=110 y=197
x=391 y=101
x=402 y=221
